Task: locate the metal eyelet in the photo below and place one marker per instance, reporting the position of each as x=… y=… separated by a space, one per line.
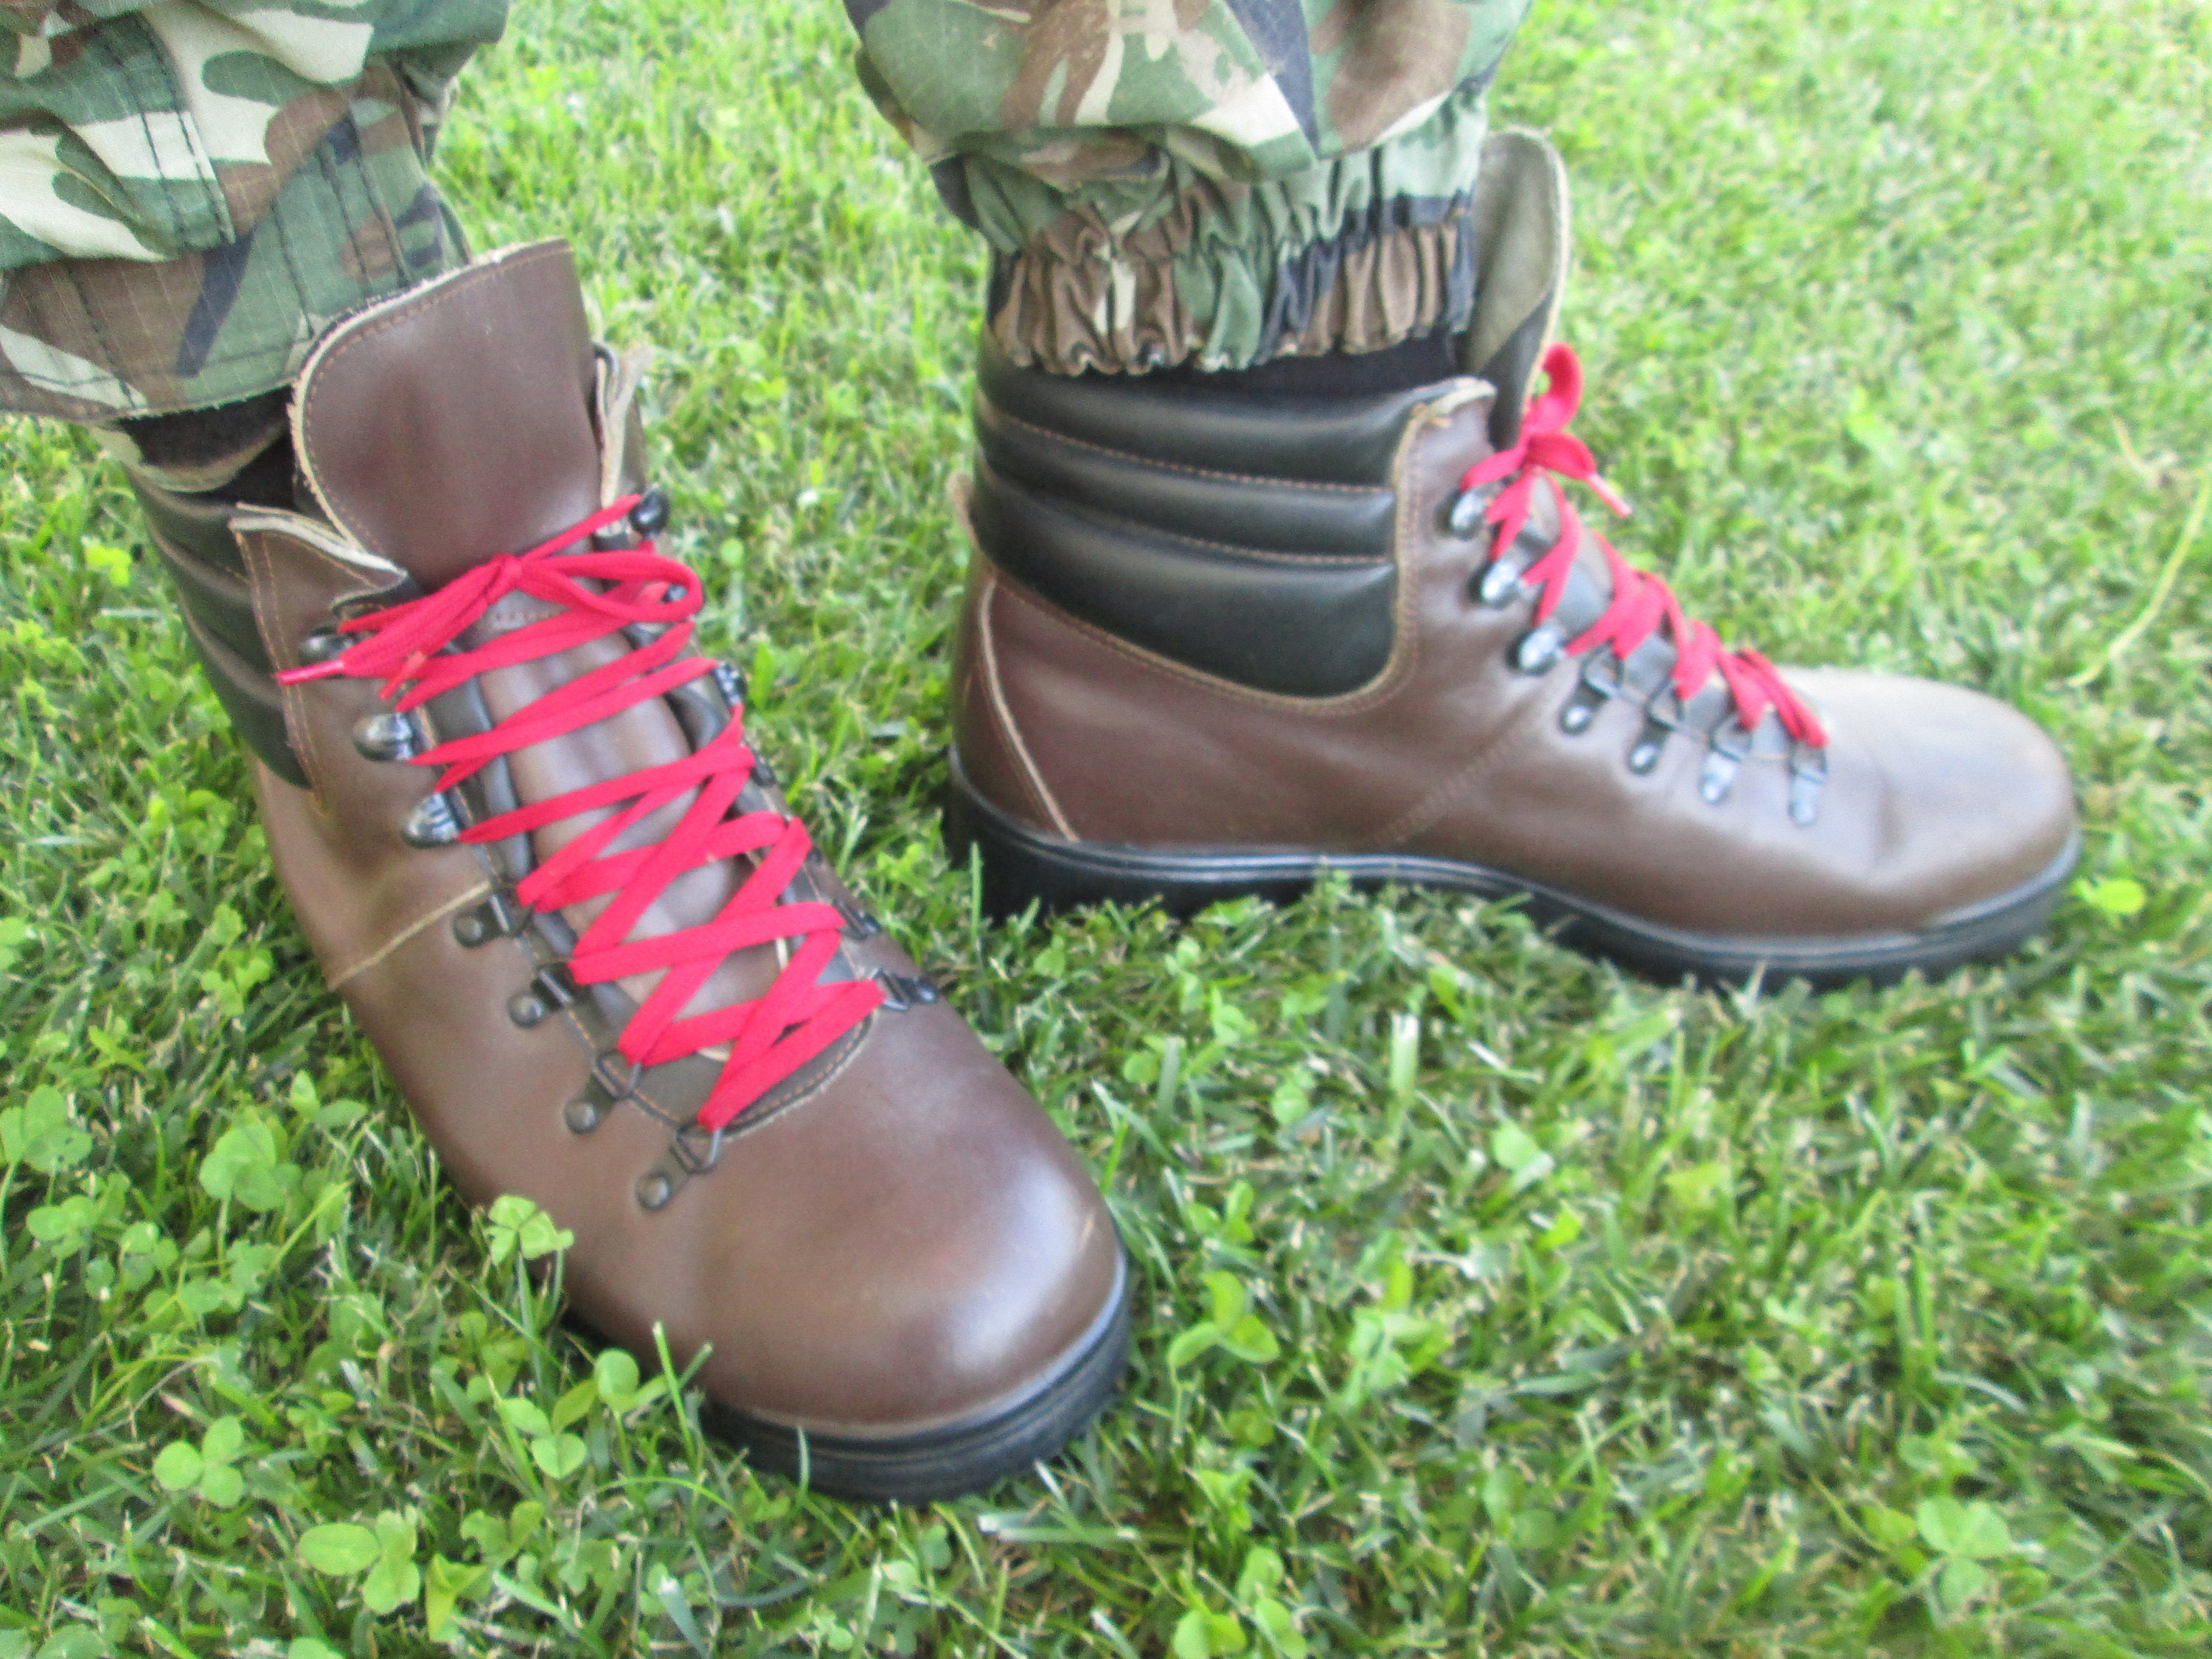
x=497 y=917
x=1465 y=517
x=1808 y=770
x=582 y=1114
x=552 y=988
x=1538 y=649
x=693 y=1152
x=1662 y=717
x=905 y=991
x=1718 y=773
x=323 y=645
x=387 y=735
x=650 y=516
x=1715 y=776
x=860 y=922
x=614 y=1075
x=1498 y=585
x=433 y=823
x=695 y=1149
x=1599 y=687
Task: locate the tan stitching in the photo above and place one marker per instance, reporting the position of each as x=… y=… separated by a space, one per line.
x=1032 y=775
x=1169 y=669
x=261 y=578
x=261 y=573
x=408 y=933
x=844 y=1055
x=309 y=532
x=737 y=1128
x=1258 y=555
x=976 y=682
x=1404 y=651
x=1432 y=806
x=1187 y=472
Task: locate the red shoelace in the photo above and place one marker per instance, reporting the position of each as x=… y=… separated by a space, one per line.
x=1641 y=602
x=601 y=592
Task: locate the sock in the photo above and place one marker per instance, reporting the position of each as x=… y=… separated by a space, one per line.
x=241 y=451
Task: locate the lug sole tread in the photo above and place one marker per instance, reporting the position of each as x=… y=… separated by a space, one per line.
x=1021 y=867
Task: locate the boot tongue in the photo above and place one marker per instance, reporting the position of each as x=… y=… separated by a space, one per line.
x=1519 y=219
x=453 y=423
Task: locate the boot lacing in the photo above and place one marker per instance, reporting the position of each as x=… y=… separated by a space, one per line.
x=1641 y=602
x=602 y=592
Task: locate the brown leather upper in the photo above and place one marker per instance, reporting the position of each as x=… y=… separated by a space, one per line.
x=446 y=484
x=894 y=1241
x=1936 y=799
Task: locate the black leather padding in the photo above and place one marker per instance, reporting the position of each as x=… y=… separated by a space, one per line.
x=199 y=524
x=205 y=569
x=1282 y=515
x=218 y=602
x=1349 y=441
x=1305 y=626
x=251 y=700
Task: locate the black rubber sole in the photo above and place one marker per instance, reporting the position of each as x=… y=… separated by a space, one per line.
x=951 y=1461
x=1021 y=867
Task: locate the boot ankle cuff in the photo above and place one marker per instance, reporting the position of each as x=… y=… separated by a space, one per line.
x=1360 y=254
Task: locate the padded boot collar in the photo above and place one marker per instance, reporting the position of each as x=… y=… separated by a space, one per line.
x=454 y=423
x=1346 y=441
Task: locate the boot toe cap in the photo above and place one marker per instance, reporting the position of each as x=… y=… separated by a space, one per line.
x=916 y=1250
x=1968 y=800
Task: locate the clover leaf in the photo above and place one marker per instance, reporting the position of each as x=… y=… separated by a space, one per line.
x=381 y=1556
x=515 y=1225
x=247 y=1164
x=40 y=1132
x=208 y=1466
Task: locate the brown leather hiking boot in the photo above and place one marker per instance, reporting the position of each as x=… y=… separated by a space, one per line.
x=519 y=820
x=1215 y=645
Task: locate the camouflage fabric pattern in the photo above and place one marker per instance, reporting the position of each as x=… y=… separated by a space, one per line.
x=190 y=190
x=1221 y=182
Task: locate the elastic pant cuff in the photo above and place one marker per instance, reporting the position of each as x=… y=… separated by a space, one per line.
x=1176 y=265
x=1134 y=305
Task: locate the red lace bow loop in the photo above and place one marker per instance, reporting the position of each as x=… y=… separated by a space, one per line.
x=412 y=648
x=1642 y=604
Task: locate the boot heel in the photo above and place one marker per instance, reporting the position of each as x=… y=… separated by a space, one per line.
x=1017 y=870
x=1022 y=867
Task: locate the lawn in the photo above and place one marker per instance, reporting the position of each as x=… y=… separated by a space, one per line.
x=1491 y=1302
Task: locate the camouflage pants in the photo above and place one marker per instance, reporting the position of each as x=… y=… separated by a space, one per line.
x=192 y=190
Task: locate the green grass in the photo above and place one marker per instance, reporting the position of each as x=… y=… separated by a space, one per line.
x=1607 y=1319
